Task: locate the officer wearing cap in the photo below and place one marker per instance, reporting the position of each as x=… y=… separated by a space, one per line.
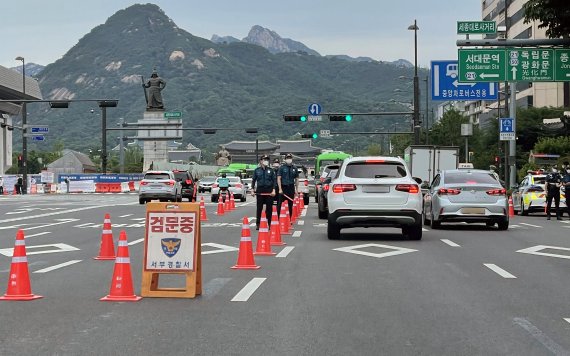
x=263 y=185
x=553 y=184
x=276 y=164
x=566 y=185
x=287 y=179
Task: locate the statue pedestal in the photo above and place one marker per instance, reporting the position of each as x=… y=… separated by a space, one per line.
x=155 y=138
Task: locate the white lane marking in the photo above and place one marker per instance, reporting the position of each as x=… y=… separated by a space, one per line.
x=424 y=229
x=541 y=337
x=135 y=242
x=513 y=226
x=534 y=251
x=304 y=212
x=214 y=286
x=219 y=248
x=297 y=234
x=124 y=216
x=567 y=319
x=498 y=270
x=530 y=225
x=65 y=264
x=301 y=222
x=285 y=251
x=38 y=234
x=8 y=252
x=139 y=219
x=354 y=249
x=62 y=212
x=247 y=291
x=41 y=225
x=450 y=243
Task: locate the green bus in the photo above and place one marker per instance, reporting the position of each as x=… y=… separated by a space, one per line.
x=327 y=158
x=242 y=170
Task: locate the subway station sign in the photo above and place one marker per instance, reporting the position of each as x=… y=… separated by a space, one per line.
x=514 y=64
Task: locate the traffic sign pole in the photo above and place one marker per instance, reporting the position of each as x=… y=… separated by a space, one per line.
x=513 y=143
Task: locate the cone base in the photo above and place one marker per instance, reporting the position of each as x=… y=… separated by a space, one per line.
x=278 y=243
x=246 y=267
x=264 y=253
x=204 y=219
x=105 y=258
x=110 y=298
x=21 y=297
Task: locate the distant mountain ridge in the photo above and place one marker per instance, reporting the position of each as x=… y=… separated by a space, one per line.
x=32 y=69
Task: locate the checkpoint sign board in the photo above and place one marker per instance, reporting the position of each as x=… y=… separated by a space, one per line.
x=445 y=84
x=468 y=27
x=506 y=129
x=530 y=64
x=170 y=243
x=482 y=65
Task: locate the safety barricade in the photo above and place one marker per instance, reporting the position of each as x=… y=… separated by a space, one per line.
x=114 y=187
x=131 y=186
x=125 y=187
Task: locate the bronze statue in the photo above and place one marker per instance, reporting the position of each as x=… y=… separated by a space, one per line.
x=223 y=157
x=155 y=85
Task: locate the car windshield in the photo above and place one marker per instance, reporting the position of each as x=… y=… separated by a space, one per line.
x=539 y=180
x=180 y=175
x=470 y=178
x=375 y=170
x=208 y=179
x=157 y=176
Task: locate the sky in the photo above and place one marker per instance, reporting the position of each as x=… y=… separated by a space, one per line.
x=43 y=31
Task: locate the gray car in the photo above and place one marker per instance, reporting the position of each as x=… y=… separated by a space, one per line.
x=466 y=195
x=161 y=185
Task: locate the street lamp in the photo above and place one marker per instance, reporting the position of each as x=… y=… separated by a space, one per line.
x=426 y=113
x=24 y=122
x=415 y=28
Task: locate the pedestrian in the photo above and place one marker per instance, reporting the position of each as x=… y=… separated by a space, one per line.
x=67 y=184
x=1 y=185
x=263 y=186
x=276 y=164
x=287 y=179
x=19 y=184
x=553 y=184
x=566 y=185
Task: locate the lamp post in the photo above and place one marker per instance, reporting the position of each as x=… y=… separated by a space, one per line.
x=24 y=123
x=415 y=28
x=426 y=112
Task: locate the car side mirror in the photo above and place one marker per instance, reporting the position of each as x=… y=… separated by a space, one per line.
x=418 y=180
x=425 y=185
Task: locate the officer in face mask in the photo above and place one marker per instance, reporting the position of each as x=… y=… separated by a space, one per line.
x=263 y=185
x=566 y=185
x=287 y=179
x=553 y=184
x=275 y=165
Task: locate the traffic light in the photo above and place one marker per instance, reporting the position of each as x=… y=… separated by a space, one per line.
x=497 y=161
x=20 y=161
x=314 y=135
x=209 y=131
x=346 y=118
x=295 y=118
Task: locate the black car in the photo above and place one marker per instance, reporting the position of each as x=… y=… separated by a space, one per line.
x=326 y=178
x=321 y=178
x=188 y=184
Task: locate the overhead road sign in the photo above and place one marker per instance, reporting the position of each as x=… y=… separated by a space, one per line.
x=39 y=129
x=506 y=129
x=482 y=65
x=476 y=27
x=530 y=64
x=315 y=118
x=562 y=64
x=445 y=84
x=315 y=109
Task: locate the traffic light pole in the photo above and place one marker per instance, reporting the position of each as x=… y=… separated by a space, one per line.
x=513 y=143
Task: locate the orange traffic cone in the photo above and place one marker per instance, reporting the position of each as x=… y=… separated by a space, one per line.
x=275 y=231
x=122 y=283
x=19 y=287
x=220 y=206
x=284 y=223
x=232 y=202
x=511 y=208
x=15 y=191
x=263 y=243
x=107 y=249
x=245 y=253
x=203 y=216
x=227 y=202
x=301 y=201
x=295 y=210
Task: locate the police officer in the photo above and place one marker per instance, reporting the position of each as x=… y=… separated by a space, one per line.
x=276 y=164
x=287 y=179
x=263 y=185
x=566 y=185
x=553 y=184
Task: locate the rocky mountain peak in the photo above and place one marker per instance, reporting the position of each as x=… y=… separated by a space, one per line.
x=274 y=43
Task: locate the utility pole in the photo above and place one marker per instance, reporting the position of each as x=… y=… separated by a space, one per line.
x=121 y=148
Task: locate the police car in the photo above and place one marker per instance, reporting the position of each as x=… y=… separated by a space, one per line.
x=530 y=195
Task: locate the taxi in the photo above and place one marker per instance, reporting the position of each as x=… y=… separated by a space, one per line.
x=530 y=195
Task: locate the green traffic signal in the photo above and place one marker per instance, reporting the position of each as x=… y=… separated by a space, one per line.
x=315 y=135
x=303 y=118
x=348 y=117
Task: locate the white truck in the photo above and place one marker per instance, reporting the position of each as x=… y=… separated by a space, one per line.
x=425 y=161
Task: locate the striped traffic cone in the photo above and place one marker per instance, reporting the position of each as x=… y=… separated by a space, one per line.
x=220 y=211
x=245 y=253
x=232 y=202
x=227 y=202
x=302 y=201
x=203 y=216
x=122 y=283
x=263 y=243
x=19 y=287
x=107 y=249
x=275 y=231
x=284 y=223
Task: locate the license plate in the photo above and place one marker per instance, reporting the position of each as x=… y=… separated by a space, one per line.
x=376 y=189
x=473 y=211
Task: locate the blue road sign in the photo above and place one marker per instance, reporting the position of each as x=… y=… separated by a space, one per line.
x=315 y=109
x=445 y=84
x=506 y=125
x=38 y=138
x=39 y=129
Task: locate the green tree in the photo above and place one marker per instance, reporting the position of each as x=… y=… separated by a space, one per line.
x=554 y=15
x=374 y=149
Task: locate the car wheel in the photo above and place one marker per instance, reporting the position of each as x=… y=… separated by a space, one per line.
x=323 y=214
x=243 y=198
x=333 y=230
x=316 y=198
x=523 y=211
x=413 y=232
x=141 y=201
x=434 y=224
x=306 y=199
x=503 y=224
x=490 y=224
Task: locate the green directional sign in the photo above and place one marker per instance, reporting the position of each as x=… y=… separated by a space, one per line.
x=481 y=65
x=172 y=114
x=530 y=64
x=562 y=64
x=467 y=27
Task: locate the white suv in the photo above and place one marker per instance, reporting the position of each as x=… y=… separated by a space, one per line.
x=375 y=192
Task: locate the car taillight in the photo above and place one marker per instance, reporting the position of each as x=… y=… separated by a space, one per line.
x=188 y=181
x=238 y=185
x=501 y=191
x=375 y=161
x=409 y=188
x=169 y=182
x=445 y=191
x=343 y=188
x=306 y=183
x=326 y=187
x=215 y=185
x=143 y=183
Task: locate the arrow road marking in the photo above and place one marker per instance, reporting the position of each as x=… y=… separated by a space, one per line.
x=248 y=290
x=498 y=270
x=8 y=252
x=535 y=251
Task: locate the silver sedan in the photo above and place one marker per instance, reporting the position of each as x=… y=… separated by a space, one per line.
x=466 y=195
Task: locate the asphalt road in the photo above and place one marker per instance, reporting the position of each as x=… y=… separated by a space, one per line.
x=461 y=290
